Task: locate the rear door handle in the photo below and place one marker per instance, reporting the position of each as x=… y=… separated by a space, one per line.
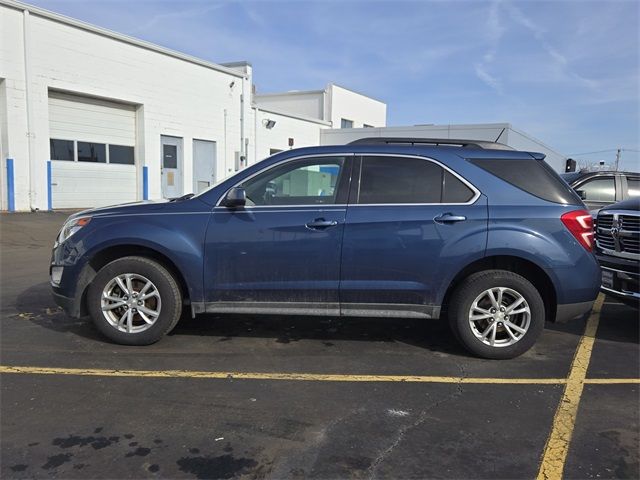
x=449 y=218
x=321 y=223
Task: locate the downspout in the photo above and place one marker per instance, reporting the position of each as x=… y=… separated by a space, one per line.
x=27 y=87
x=255 y=134
x=243 y=154
x=226 y=167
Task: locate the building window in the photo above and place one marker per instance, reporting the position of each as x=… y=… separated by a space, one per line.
x=61 y=149
x=121 y=154
x=72 y=150
x=364 y=125
x=169 y=156
x=344 y=123
x=92 y=152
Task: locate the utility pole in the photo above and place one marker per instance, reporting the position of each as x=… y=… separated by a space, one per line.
x=618 y=153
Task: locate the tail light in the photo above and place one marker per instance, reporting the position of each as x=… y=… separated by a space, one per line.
x=580 y=224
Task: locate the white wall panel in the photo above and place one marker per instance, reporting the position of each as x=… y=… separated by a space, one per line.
x=304 y=133
x=356 y=107
x=306 y=104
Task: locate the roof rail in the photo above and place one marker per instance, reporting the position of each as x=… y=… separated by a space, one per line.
x=482 y=144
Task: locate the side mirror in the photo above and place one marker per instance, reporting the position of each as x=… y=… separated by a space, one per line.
x=235 y=198
x=582 y=194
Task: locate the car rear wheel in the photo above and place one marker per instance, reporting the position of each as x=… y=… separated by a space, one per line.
x=134 y=301
x=497 y=314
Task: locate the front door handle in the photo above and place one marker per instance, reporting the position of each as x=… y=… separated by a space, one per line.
x=321 y=223
x=449 y=218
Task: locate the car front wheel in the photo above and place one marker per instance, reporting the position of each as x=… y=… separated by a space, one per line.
x=497 y=314
x=134 y=301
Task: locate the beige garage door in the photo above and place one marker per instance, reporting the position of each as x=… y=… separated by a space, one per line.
x=91 y=145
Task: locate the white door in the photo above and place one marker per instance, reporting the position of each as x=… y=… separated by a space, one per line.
x=171 y=166
x=204 y=165
x=91 y=148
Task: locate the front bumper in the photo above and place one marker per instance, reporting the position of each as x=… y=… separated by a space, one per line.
x=69 y=305
x=69 y=279
x=621 y=279
x=622 y=285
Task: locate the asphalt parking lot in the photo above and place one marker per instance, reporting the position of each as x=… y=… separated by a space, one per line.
x=290 y=397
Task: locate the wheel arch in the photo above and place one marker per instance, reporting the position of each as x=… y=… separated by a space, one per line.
x=528 y=269
x=106 y=255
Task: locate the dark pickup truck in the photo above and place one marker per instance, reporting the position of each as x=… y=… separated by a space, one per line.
x=618 y=250
x=600 y=189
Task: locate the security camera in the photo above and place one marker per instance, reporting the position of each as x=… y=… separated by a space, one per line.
x=232 y=84
x=269 y=124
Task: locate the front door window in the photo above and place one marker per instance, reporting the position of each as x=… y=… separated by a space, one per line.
x=303 y=182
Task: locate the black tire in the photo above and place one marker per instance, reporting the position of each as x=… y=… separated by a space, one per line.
x=166 y=285
x=474 y=285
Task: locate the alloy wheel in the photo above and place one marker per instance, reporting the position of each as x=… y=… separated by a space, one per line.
x=131 y=303
x=499 y=317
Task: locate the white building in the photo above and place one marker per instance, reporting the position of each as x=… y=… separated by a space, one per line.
x=336 y=105
x=90 y=117
x=492 y=132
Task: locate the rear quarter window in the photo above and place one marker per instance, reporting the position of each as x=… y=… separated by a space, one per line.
x=533 y=176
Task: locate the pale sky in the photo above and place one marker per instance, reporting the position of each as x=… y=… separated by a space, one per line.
x=567 y=72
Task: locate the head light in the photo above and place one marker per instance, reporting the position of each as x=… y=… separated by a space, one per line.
x=72 y=226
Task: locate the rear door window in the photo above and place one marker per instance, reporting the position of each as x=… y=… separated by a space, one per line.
x=385 y=180
x=405 y=180
x=454 y=191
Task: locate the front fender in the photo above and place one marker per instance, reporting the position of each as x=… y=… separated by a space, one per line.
x=178 y=239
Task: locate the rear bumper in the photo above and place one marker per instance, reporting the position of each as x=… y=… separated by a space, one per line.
x=569 y=311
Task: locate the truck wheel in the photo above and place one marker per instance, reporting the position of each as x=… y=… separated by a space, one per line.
x=134 y=301
x=496 y=314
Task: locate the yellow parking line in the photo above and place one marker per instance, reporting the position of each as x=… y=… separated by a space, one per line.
x=318 y=377
x=611 y=381
x=555 y=452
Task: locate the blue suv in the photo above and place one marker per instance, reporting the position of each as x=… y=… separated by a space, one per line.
x=488 y=237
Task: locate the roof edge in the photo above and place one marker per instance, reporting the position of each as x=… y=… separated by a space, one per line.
x=292 y=92
x=56 y=17
x=292 y=115
x=332 y=84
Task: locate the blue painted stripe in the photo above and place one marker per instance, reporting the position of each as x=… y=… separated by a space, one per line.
x=145 y=183
x=49 y=196
x=10 y=186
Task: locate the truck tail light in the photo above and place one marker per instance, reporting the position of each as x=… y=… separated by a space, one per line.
x=580 y=224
